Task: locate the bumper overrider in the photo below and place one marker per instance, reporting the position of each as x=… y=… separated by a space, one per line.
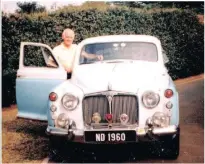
x=98 y=135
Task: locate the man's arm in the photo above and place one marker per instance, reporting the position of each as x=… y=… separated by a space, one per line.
x=50 y=61
x=91 y=56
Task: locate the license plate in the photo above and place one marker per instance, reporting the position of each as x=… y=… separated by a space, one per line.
x=110 y=136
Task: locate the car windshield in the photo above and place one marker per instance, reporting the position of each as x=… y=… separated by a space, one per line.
x=119 y=52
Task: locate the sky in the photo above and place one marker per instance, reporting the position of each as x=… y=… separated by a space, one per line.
x=10 y=6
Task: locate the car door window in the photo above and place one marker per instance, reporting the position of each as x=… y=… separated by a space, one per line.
x=36 y=56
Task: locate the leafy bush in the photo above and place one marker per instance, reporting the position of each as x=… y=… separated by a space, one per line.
x=179 y=31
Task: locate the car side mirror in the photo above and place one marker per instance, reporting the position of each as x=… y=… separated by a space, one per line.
x=165 y=58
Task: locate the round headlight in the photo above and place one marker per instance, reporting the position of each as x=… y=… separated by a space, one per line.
x=150 y=99
x=70 y=102
x=159 y=119
x=62 y=120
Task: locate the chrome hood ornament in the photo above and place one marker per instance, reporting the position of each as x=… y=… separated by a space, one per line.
x=109 y=87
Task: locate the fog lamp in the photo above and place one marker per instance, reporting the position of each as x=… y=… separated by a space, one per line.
x=159 y=119
x=62 y=120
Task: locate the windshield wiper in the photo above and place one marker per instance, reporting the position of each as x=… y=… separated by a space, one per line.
x=118 y=61
x=111 y=61
x=94 y=62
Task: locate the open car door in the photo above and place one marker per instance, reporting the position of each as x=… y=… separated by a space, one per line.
x=39 y=72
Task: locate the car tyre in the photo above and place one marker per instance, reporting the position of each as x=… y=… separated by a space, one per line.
x=56 y=147
x=171 y=148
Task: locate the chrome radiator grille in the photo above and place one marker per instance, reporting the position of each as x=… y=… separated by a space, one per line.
x=124 y=104
x=95 y=104
x=120 y=104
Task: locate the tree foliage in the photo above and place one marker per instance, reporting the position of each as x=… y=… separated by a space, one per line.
x=29 y=7
x=181 y=35
x=196 y=6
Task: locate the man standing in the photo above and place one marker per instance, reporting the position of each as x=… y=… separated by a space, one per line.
x=65 y=52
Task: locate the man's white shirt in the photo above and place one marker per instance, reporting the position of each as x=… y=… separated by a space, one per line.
x=65 y=55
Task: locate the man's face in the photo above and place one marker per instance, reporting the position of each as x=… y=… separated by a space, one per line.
x=68 y=38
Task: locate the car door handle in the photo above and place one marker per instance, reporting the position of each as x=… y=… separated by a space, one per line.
x=21 y=76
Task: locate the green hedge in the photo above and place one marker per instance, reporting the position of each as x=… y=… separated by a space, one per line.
x=181 y=34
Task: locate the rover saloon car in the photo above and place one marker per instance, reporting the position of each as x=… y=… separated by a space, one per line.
x=128 y=97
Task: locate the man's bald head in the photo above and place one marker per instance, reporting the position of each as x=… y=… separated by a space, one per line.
x=68 y=33
x=68 y=36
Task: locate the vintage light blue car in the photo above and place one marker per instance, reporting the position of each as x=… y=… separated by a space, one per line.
x=128 y=97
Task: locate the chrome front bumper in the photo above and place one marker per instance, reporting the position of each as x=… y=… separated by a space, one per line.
x=141 y=133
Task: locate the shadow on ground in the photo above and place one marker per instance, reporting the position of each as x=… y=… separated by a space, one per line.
x=108 y=154
x=25 y=139
x=33 y=128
